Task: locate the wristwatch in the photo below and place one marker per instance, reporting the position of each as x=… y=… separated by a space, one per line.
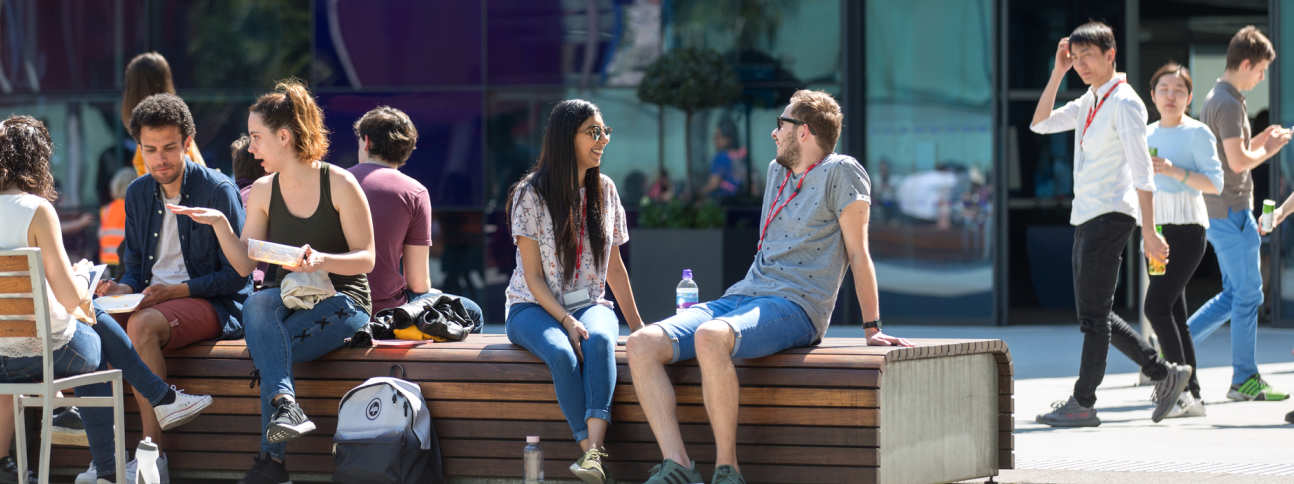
x=872 y=324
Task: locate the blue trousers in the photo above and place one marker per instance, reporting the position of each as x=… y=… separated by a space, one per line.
x=1235 y=240
x=277 y=337
x=583 y=389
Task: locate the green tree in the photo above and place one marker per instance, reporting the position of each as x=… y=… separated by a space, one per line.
x=690 y=80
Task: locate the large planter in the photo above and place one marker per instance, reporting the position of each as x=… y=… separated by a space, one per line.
x=657 y=258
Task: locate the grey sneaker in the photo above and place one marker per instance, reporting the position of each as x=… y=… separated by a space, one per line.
x=1069 y=413
x=1187 y=406
x=589 y=467
x=670 y=472
x=727 y=475
x=1168 y=389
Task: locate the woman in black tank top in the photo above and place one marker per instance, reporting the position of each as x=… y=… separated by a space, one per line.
x=305 y=203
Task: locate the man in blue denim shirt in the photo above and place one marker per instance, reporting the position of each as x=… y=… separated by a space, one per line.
x=191 y=293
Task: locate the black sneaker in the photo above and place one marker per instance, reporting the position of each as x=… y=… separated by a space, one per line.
x=9 y=472
x=289 y=422
x=68 y=428
x=266 y=470
x=1289 y=417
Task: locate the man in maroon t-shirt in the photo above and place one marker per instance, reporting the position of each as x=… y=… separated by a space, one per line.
x=401 y=206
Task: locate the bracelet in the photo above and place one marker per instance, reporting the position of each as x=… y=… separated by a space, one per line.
x=1185 y=174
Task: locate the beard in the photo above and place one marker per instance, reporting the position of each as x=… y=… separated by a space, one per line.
x=174 y=175
x=789 y=154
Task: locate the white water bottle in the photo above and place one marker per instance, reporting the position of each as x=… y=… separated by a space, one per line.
x=687 y=293
x=532 y=459
x=146 y=459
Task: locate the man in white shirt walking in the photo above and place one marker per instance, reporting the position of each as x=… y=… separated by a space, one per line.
x=1113 y=188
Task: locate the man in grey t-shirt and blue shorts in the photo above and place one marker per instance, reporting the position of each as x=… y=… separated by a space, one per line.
x=814 y=225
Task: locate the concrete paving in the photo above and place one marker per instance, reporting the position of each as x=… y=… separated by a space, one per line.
x=1236 y=441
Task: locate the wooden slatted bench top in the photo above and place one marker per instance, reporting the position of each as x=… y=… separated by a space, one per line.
x=807 y=415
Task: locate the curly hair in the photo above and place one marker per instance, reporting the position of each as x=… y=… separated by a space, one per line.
x=291 y=107
x=159 y=111
x=25 y=151
x=390 y=132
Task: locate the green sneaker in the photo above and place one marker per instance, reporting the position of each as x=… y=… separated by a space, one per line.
x=670 y=472
x=1255 y=388
x=589 y=466
x=726 y=475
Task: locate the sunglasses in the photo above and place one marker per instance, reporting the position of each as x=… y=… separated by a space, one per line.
x=793 y=121
x=598 y=132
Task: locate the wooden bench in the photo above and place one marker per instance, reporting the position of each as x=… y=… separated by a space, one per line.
x=838 y=412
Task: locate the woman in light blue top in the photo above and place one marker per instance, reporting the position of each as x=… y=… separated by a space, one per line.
x=1186 y=166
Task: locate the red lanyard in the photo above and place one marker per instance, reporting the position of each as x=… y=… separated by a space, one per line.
x=773 y=209
x=579 y=249
x=1091 y=114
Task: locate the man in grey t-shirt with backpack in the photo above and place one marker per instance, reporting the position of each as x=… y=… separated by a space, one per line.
x=814 y=225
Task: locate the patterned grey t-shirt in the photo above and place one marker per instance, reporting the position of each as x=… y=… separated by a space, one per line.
x=803 y=258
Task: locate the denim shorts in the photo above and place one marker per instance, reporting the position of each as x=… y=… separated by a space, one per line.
x=762 y=325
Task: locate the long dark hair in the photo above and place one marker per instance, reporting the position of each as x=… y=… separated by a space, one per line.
x=554 y=179
x=147 y=74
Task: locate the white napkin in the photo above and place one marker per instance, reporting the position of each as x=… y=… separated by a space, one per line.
x=302 y=290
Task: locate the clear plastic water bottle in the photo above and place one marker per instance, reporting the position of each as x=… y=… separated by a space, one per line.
x=687 y=293
x=146 y=458
x=533 y=461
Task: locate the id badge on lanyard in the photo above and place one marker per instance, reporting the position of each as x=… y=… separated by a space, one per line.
x=576 y=300
x=579 y=297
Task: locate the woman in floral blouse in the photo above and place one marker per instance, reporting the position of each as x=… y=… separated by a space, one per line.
x=568 y=225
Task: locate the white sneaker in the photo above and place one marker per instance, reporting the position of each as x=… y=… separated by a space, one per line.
x=163 y=470
x=185 y=408
x=1187 y=406
x=90 y=476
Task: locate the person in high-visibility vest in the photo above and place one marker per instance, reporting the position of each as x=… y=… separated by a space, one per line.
x=112 y=218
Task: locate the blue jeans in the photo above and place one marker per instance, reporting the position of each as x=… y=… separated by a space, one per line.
x=81 y=354
x=473 y=309
x=120 y=354
x=277 y=337
x=583 y=390
x=761 y=325
x=1235 y=241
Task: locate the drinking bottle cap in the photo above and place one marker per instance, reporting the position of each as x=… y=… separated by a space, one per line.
x=687 y=273
x=532 y=439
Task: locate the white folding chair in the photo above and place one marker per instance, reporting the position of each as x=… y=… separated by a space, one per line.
x=24 y=312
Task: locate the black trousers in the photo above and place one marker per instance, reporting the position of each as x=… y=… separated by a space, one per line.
x=1097 y=256
x=1166 y=296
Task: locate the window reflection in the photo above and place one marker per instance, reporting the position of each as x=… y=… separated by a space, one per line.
x=930 y=156
x=448 y=157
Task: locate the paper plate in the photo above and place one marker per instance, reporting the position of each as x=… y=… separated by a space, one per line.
x=119 y=304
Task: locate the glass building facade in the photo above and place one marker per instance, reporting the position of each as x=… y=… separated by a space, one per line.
x=970 y=209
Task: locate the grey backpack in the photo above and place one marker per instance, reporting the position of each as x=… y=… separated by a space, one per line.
x=384 y=435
